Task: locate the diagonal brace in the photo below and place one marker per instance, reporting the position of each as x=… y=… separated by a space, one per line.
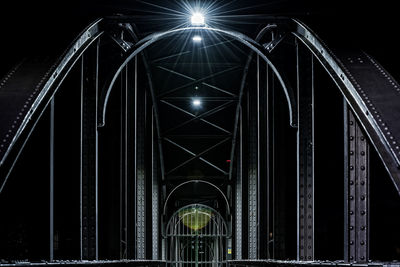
x=199 y=117
x=193 y=154
x=193 y=79
x=199 y=155
x=201 y=80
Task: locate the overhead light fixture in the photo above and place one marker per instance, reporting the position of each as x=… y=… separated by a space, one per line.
x=198 y=19
x=196 y=102
x=197 y=39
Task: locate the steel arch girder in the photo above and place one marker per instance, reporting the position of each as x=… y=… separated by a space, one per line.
x=369 y=90
x=26 y=92
x=149 y=40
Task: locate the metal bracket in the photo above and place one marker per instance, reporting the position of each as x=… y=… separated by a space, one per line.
x=270 y=46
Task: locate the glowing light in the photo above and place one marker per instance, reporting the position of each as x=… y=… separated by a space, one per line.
x=195 y=218
x=196 y=102
x=198 y=19
x=197 y=39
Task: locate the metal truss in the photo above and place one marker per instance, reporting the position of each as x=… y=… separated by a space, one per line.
x=369 y=120
x=198 y=81
x=195 y=156
x=352 y=86
x=198 y=156
x=227 y=102
x=198 y=117
x=196 y=181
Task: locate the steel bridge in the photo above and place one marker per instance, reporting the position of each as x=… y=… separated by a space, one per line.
x=251 y=147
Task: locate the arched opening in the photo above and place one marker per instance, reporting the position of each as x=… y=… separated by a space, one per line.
x=192 y=187
x=196 y=235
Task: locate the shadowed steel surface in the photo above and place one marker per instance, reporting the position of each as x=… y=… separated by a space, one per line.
x=200 y=234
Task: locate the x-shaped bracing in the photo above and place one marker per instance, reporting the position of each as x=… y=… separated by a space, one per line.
x=199 y=117
x=207 y=113
x=228 y=101
x=198 y=81
x=197 y=156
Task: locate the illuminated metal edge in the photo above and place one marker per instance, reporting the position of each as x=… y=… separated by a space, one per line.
x=196 y=181
x=57 y=74
x=176 y=213
x=346 y=83
x=62 y=69
x=322 y=53
x=152 y=38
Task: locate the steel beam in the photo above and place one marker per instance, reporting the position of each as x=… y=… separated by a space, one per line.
x=140 y=173
x=51 y=211
x=271 y=124
x=89 y=154
x=155 y=206
x=197 y=81
x=204 y=99
x=253 y=168
x=305 y=154
x=356 y=240
x=124 y=169
x=240 y=96
x=239 y=193
x=203 y=79
x=199 y=117
x=194 y=155
x=265 y=195
x=258 y=201
x=127 y=183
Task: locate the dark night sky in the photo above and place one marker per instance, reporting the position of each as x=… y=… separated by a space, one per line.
x=27 y=26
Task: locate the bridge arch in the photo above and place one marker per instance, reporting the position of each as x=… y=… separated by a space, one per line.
x=176 y=189
x=243 y=39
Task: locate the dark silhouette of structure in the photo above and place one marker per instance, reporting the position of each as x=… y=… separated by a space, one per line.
x=157 y=138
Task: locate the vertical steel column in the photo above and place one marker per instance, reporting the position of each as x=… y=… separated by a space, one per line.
x=272 y=161
x=239 y=192
x=89 y=154
x=51 y=234
x=253 y=169
x=267 y=172
x=155 y=192
x=262 y=162
x=127 y=170
x=356 y=191
x=305 y=154
x=123 y=170
x=140 y=132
